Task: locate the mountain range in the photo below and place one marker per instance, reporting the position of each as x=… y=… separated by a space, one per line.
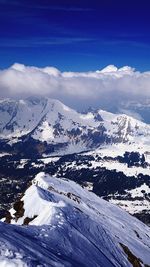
x=105 y=152
x=46 y=148
x=54 y=127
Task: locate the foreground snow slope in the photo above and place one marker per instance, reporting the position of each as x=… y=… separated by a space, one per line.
x=69 y=226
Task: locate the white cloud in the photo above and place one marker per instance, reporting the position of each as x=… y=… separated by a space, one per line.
x=77 y=89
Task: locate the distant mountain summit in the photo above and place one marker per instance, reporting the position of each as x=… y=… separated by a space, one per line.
x=55 y=126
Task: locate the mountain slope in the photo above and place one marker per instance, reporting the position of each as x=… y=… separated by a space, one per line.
x=53 y=126
x=69 y=226
x=116 y=158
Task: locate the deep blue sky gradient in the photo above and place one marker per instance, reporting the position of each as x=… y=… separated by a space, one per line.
x=75 y=35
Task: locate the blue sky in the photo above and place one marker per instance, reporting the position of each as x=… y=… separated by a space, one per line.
x=75 y=35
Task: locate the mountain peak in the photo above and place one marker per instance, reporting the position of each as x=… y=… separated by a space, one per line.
x=109 y=68
x=48 y=120
x=84 y=229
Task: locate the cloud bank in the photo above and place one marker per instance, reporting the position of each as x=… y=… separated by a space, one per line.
x=77 y=89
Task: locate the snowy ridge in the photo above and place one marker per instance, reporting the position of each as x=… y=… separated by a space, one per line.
x=49 y=120
x=72 y=227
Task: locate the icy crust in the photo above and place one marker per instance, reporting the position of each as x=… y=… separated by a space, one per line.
x=73 y=227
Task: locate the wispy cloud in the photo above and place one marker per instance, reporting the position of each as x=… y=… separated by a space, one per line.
x=67 y=40
x=41 y=42
x=110 y=41
x=74 y=8
x=63 y=8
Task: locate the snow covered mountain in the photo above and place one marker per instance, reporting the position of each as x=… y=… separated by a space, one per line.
x=138 y=109
x=114 y=159
x=51 y=126
x=58 y=223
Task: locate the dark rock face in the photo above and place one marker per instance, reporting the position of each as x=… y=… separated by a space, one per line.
x=27 y=220
x=19 y=208
x=98 y=117
x=136 y=262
